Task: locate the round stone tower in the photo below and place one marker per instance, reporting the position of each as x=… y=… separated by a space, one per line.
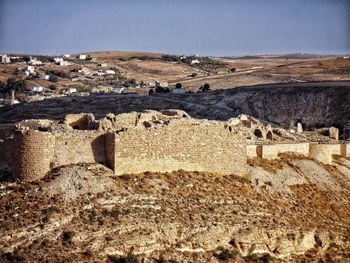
x=34 y=151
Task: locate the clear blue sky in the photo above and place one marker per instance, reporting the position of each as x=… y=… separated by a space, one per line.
x=204 y=27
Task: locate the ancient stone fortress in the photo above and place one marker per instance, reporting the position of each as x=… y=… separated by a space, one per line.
x=149 y=141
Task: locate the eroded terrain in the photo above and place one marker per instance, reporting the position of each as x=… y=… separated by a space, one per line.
x=286 y=210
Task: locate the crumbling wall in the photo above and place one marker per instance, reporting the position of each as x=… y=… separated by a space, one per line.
x=81 y=121
x=79 y=147
x=33 y=152
x=6 y=155
x=272 y=151
x=324 y=152
x=186 y=145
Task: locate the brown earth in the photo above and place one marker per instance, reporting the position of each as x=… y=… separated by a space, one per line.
x=148 y=67
x=299 y=212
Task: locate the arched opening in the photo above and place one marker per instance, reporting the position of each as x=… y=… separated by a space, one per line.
x=269 y=135
x=258 y=133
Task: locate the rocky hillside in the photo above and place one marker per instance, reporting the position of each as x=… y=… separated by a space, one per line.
x=313 y=104
x=288 y=210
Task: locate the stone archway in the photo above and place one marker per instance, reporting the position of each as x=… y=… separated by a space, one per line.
x=258 y=133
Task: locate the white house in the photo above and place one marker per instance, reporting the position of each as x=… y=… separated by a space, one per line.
x=64 y=63
x=5 y=59
x=34 y=62
x=38 y=89
x=163 y=84
x=195 y=61
x=45 y=76
x=84 y=71
x=110 y=72
x=71 y=90
x=31 y=69
x=118 y=89
x=66 y=55
x=99 y=73
x=58 y=60
x=82 y=56
x=178 y=90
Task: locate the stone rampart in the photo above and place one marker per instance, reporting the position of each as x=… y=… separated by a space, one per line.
x=79 y=147
x=345 y=150
x=271 y=151
x=324 y=152
x=33 y=152
x=183 y=144
x=139 y=142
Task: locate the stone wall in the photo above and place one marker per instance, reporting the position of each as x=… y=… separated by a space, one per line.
x=187 y=145
x=33 y=152
x=79 y=147
x=271 y=151
x=81 y=121
x=345 y=150
x=324 y=152
x=253 y=151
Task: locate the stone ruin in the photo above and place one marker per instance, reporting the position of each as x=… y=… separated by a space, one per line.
x=152 y=141
x=127 y=143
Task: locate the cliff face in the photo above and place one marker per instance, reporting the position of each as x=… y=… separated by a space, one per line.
x=313 y=104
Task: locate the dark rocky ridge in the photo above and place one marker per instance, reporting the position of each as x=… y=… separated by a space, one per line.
x=314 y=104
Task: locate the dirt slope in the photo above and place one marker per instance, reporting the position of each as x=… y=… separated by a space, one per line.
x=299 y=210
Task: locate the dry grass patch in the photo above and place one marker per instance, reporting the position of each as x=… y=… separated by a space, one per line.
x=269 y=165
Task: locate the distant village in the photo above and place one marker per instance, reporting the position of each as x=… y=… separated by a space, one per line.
x=40 y=77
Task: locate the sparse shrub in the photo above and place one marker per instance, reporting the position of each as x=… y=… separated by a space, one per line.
x=129 y=258
x=88 y=253
x=268 y=183
x=193 y=75
x=19 y=86
x=225 y=254
x=265 y=258
x=12 y=257
x=205 y=88
x=112 y=213
x=67 y=236
x=58 y=73
x=162 y=259
x=52 y=87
